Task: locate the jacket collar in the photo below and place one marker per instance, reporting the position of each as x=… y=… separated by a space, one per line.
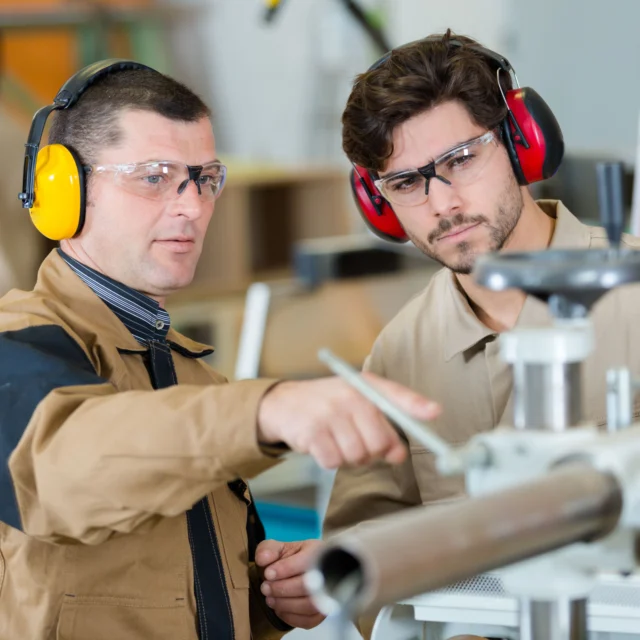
x=463 y=330
x=56 y=277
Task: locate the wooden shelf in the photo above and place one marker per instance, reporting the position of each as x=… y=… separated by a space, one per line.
x=344 y=315
x=207 y=291
x=263 y=211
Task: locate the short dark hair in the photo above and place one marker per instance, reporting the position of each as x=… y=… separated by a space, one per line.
x=92 y=123
x=414 y=79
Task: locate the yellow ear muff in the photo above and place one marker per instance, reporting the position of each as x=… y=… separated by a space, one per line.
x=58 y=209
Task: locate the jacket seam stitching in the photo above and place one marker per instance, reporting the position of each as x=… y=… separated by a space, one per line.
x=216 y=554
x=199 y=600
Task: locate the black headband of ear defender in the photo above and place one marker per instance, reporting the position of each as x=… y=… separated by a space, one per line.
x=68 y=95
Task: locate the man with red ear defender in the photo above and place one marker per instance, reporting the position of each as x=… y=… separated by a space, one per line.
x=443 y=146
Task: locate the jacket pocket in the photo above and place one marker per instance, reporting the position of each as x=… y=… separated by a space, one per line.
x=230 y=517
x=107 y=618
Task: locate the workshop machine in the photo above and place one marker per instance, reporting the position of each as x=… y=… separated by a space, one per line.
x=553 y=510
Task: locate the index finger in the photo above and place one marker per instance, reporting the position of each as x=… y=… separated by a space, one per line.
x=405 y=399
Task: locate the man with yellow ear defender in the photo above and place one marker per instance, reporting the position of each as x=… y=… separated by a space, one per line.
x=123 y=513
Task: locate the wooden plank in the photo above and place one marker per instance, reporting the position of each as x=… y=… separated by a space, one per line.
x=225 y=259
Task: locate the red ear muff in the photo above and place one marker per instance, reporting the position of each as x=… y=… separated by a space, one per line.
x=532 y=135
x=375 y=210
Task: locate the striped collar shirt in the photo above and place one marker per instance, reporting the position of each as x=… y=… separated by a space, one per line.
x=142 y=315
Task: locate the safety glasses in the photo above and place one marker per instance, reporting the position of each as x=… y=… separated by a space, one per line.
x=459 y=166
x=165 y=180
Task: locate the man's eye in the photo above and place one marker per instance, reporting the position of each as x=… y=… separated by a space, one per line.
x=405 y=184
x=156 y=179
x=460 y=161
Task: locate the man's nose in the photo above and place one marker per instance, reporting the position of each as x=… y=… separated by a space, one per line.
x=444 y=199
x=190 y=203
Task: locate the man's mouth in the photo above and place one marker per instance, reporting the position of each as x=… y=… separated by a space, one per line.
x=458 y=233
x=177 y=239
x=178 y=244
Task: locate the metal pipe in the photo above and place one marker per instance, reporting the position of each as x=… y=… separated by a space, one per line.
x=548 y=396
x=428 y=548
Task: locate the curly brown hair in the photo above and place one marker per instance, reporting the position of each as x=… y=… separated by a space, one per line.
x=411 y=80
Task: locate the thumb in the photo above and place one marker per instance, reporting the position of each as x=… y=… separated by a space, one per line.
x=268 y=551
x=404 y=398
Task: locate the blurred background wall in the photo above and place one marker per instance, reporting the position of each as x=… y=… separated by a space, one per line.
x=291 y=78
x=278 y=87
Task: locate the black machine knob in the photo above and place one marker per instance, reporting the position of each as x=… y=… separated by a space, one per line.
x=571 y=281
x=611 y=199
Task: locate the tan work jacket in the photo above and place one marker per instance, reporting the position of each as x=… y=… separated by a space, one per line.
x=99 y=469
x=437 y=346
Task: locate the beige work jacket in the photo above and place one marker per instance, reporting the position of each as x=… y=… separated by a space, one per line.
x=99 y=469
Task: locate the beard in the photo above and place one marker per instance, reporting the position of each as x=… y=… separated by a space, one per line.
x=508 y=213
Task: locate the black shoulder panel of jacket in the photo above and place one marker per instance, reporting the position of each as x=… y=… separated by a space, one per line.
x=33 y=362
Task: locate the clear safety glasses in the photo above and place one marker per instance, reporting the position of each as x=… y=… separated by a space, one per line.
x=459 y=166
x=165 y=180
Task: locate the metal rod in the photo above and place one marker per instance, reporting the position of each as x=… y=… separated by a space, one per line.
x=408 y=424
x=620 y=393
x=547 y=396
x=560 y=619
x=373 y=30
x=428 y=548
